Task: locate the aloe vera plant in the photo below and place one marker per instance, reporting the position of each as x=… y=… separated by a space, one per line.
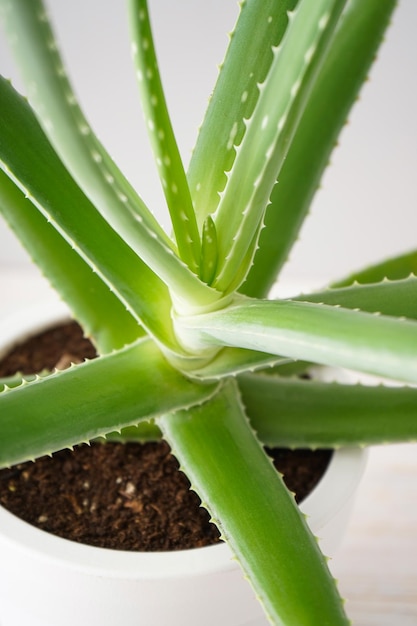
x=187 y=337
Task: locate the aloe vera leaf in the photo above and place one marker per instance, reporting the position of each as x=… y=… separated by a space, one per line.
x=308 y=413
x=50 y=94
x=233 y=361
x=57 y=196
x=397 y=298
x=102 y=315
x=323 y=334
x=288 y=368
x=90 y=400
x=142 y=432
x=269 y=133
x=344 y=70
x=167 y=156
x=254 y=511
x=234 y=97
x=395 y=268
x=209 y=251
x=26 y=24
x=15 y=381
x=393 y=298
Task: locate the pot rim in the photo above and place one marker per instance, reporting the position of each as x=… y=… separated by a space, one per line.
x=340 y=480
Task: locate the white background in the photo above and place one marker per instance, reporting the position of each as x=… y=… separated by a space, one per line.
x=367 y=206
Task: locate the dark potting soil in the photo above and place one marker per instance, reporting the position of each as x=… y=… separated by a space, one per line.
x=128 y=496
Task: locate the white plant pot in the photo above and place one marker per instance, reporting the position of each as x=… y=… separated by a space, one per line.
x=49 y=581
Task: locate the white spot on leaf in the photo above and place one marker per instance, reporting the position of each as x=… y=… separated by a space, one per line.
x=97 y=158
x=323 y=21
x=84 y=129
x=281 y=122
x=309 y=53
x=122 y=197
x=232 y=136
x=70 y=98
x=295 y=88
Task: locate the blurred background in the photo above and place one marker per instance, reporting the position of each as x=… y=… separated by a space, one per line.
x=367 y=207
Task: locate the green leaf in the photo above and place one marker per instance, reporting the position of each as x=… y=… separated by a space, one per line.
x=209 y=251
x=233 y=361
x=270 y=130
x=90 y=400
x=234 y=98
x=142 y=432
x=16 y=380
x=167 y=156
x=52 y=97
x=345 y=68
x=100 y=312
x=255 y=512
x=308 y=413
x=52 y=190
x=397 y=298
x=376 y=344
x=395 y=268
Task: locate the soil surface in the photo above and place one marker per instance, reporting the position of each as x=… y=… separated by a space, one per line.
x=123 y=496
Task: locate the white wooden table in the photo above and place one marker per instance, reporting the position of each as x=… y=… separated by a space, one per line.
x=376 y=565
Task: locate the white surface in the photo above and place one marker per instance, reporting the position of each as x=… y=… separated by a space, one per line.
x=377 y=563
x=369 y=194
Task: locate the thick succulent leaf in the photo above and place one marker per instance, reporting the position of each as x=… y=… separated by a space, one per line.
x=53 y=191
x=90 y=400
x=397 y=297
x=26 y=24
x=167 y=156
x=234 y=98
x=345 y=68
x=269 y=133
x=255 y=512
x=308 y=413
x=234 y=361
x=142 y=432
x=51 y=95
x=16 y=380
x=100 y=312
x=395 y=268
x=376 y=344
x=209 y=251
x=290 y=368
